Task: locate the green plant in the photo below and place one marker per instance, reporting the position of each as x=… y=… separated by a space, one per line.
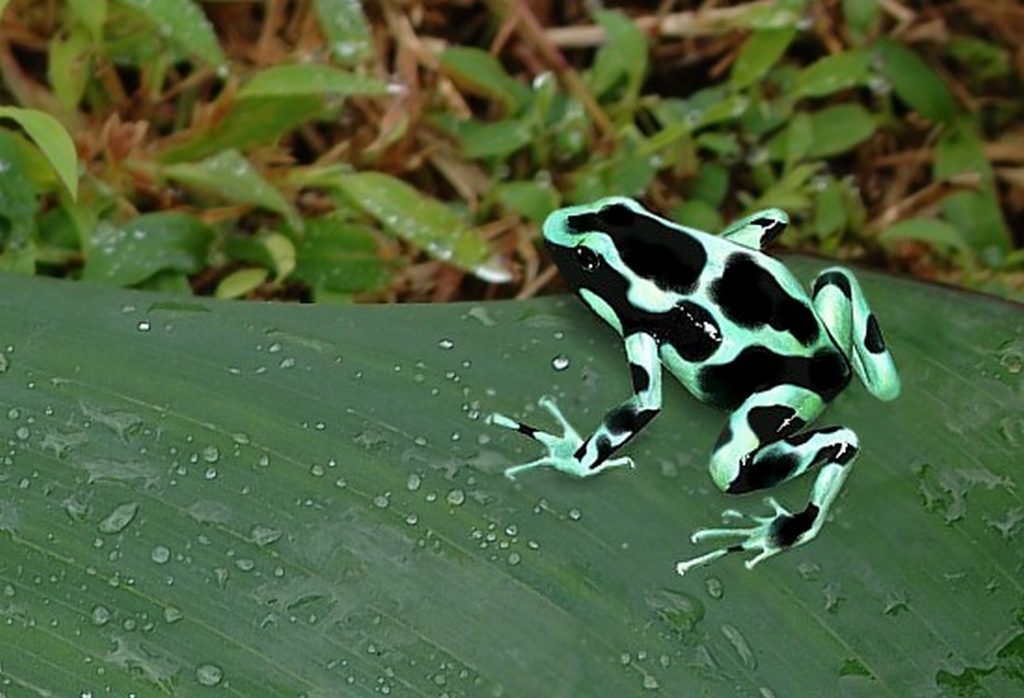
x=423 y=166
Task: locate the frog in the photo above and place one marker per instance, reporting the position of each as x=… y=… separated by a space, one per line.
x=736 y=328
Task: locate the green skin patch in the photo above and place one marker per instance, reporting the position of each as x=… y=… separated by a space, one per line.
x=736 y=328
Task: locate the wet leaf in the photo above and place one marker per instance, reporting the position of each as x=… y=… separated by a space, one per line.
x=346 y=28
x=272 y=500
x=125 y=254
x=424 y=221
x=183 y=23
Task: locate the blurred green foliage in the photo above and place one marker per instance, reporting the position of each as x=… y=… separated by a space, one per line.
x=321 y=150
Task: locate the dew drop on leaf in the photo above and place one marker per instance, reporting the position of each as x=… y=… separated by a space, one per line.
x=209 y=674
x=117 y=520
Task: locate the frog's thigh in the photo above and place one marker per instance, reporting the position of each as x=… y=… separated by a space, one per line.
x=738 y=463
x=842 y=307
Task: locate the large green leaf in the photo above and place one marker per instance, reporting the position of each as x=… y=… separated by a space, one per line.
x=280 y=500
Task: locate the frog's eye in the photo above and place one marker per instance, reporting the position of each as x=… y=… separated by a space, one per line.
x=586 y=258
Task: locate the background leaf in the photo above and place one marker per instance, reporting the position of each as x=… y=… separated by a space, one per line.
x=420 y=219
x=125 y=254
x=52 y=139
x=182 y=22
x=229 y=175
x=309 y=80
x=276 y=500
x=348 y=32
x=759 y=54
x=914 y=82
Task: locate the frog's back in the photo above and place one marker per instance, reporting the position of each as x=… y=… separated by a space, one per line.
x=771 y=334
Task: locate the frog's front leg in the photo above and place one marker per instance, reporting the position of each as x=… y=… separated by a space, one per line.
x=761 y=447
x=574 y=455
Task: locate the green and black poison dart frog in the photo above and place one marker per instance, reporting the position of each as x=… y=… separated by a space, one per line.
x=736 y=328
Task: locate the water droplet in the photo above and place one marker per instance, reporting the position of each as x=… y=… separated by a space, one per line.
x=101 y=615
x=714 y=587
x=210 y=474
x=13 y=413
x=514 y=558
x=650 y=683
x=575 y=514
x=160 y=554
x=264 y=460
x=287 y=362
x=209 y=674
x=245 y=564
x=317 y=470
x=117 y=520
x=456 y=497
x=412 y=483
x=412 y=519
x=211 y=454
x=381 y=501
x=143 y=326
x=173 y=614
x=560 y=362
x=679 y=611
x=740 y=644
x=446 y=344
x=264 y=535
x=22 y=433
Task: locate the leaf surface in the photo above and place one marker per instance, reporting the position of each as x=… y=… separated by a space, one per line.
x=281 y=500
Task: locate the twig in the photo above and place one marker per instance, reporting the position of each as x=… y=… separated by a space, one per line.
x=708 y=22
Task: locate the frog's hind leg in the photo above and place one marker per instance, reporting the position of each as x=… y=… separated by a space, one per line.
x=762 y=446
x=841 y=305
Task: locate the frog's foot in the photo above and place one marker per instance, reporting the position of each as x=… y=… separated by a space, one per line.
x=768 y=536
x=564 y=452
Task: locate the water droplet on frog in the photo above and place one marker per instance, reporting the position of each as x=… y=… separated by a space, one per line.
x=209 y=674
x=740 y=644
x=456 y=497
x=560 y=362
x=160 y=554
x=117 y=520
x=143 y=326
x=412 y=483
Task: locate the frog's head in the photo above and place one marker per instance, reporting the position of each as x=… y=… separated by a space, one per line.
x=582 y=241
